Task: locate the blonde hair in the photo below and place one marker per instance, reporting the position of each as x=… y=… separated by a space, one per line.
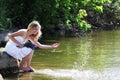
x=34 y=24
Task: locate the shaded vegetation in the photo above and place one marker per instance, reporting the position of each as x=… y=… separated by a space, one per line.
x=53 y=15
x=109 y=19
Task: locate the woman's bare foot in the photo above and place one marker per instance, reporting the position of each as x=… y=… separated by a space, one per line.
x=27 y=69
x=31 y=69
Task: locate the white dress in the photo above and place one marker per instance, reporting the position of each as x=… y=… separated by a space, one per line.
x=16 y=52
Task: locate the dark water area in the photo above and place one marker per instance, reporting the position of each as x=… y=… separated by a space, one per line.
x=94 y=57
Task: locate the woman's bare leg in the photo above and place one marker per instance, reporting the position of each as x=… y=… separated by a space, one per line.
x=26 y=61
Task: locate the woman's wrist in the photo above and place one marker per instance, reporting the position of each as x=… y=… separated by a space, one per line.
x=20 y=45
x=51 y=46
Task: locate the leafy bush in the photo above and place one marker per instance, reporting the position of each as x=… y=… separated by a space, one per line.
x=5 y=22
x=50 y=13
x=114 y=8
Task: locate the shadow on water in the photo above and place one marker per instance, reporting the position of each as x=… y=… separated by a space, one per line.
x=95 y=57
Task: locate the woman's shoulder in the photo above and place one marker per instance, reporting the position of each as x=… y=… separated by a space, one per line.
x=21 y=31
x=24 y=30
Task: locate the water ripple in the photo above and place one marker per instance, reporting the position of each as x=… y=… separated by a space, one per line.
x=107 y=74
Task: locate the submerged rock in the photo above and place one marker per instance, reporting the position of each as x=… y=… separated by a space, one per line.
x=8 y=64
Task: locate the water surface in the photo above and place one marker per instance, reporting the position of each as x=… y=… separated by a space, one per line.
x=95 y=57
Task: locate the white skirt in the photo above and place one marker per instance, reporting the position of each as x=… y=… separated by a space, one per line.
x=16 y=52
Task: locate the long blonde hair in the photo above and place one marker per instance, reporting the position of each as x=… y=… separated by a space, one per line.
x=34 y=24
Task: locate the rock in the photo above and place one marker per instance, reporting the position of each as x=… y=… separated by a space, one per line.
x=8 y=64
x=2 y=43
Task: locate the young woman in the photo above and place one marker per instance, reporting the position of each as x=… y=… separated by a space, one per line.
x=19 y=47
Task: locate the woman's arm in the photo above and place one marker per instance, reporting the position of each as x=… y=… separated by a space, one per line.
x=12 y=36
x=39 y=45
x=55 y=45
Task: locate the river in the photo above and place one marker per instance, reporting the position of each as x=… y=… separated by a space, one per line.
x=94 y=57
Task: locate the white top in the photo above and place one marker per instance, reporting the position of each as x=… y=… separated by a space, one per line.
x=16 y=52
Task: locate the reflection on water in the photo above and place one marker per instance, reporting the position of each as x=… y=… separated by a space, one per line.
x=95 y=57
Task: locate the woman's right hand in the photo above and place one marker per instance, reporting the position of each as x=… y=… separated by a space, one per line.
x=20 y=45
x=55 y=45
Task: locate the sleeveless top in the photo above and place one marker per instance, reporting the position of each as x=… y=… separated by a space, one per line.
x=13 y=50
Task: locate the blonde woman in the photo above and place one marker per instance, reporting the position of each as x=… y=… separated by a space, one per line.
x=21 y=44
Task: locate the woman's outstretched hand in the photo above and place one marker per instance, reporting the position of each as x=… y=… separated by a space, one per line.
x=55 y=45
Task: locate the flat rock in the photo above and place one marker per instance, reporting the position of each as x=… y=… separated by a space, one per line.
x=7 y=64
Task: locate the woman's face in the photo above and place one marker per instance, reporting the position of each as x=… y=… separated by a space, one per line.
x=34 y=30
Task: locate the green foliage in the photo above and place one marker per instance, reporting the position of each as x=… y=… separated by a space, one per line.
x=97 y=5
x=99 y=9
x=84 y=25
x=81 y=23
x=75 y=11
x=50 y=13
x=20 y=12
x=114 y=7
x=68 y=23
x=82 y=13
x=5 y=22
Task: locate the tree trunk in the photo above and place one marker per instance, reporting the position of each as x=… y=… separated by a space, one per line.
x=8 y=64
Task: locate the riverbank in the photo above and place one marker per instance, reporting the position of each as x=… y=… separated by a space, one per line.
x=59 y=32
x=56 y=32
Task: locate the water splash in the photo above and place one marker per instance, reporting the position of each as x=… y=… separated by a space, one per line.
x=107 y=74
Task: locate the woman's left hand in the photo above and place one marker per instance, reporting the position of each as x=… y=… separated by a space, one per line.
x=55 y=45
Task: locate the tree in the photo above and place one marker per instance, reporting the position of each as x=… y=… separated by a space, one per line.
x=51 y=13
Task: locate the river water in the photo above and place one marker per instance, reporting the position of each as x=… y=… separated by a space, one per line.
x=94 y=57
